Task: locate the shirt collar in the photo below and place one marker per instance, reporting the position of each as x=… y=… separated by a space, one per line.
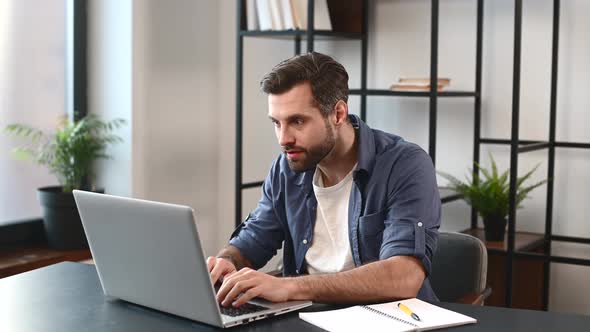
x=366 y=145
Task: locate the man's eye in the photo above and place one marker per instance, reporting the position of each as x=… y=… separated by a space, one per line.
x=299 y=121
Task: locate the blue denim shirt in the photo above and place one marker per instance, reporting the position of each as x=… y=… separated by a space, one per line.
x=394 y=208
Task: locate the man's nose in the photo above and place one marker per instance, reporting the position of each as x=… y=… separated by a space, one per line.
x=284 y=136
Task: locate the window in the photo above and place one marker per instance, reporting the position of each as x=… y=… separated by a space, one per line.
x=32 y=91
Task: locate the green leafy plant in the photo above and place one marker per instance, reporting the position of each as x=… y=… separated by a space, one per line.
x=70 y=151
x=489 y=195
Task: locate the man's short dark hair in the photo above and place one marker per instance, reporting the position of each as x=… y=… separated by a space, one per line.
x=327 y=77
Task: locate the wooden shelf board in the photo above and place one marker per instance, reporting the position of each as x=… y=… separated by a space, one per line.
x=522 y=240
x=290 y=34
x=16 y=259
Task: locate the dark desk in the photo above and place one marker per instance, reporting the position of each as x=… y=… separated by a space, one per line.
x=68 y=297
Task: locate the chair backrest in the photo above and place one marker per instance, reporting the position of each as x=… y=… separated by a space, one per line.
x=459 y=266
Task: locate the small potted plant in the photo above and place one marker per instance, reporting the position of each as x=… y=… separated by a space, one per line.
x=69 y=154
x=490 y=196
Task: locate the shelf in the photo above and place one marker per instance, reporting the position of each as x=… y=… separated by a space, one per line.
x=553 y=258
x=574 y=145
x=523 y=241
x=447 y=195
x=570 y=239
x=523 y=145
x=505 y=141
x=526 y=144
x=383 y=92
x=248 y=185
x=16 y=259
x=528 y=276
x=533 y=147
x=530 y=245
x=290 y=34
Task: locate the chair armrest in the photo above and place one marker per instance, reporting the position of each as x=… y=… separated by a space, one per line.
x=475 y=298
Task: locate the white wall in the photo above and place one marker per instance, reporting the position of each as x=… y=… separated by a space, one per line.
x=399 y=46
x=176 y=54
x=32 y=92
x=110 y=86
x=155 y=64
x=183 y=106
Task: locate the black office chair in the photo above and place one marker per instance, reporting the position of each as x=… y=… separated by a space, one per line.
x=459 y=269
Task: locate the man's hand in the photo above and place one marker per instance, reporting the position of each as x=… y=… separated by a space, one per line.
x=219 y=267
x=251 y=283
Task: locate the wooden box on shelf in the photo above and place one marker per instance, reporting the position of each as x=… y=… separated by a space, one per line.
x=527 y=277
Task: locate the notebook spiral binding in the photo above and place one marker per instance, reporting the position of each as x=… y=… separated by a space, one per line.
x=388 y=316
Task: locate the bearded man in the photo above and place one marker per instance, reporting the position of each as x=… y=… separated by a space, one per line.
x=356 y=210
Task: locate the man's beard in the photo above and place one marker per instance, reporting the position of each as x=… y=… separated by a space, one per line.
x=312 y=156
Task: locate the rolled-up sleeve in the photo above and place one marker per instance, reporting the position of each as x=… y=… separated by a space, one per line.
x=413 y=215
x=260 y=236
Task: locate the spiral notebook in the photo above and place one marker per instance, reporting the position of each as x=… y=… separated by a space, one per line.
x=386 y=317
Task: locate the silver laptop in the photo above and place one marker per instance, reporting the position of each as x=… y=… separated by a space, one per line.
x=149 y=253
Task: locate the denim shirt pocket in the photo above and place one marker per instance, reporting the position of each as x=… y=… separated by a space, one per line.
x=371 y=235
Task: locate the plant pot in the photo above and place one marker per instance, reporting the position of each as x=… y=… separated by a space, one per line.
x=495 y=228
x=61 y=220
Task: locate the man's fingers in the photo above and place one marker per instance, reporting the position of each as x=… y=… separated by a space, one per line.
x=242 y=286
x=228 y=284
x=226 y=276
x=217 y=272
x=247 y=296
x=221 y=268
x=211 y=262
x=238 y=287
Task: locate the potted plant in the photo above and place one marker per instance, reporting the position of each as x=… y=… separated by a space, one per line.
x=69 y=154
x=490 y=196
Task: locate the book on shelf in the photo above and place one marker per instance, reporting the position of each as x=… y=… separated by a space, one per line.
x=285 y=15
x=419 y=84
x=252 y=15
x=414 y=87
x=264 y=14
x=276 y=14
x=321 y=14
x=299 y=10
x=387 y=317
x=419 y=80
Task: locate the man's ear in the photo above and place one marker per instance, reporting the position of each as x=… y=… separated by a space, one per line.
x=341 y=112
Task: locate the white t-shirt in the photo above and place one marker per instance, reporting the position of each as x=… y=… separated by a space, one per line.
x=330 y=247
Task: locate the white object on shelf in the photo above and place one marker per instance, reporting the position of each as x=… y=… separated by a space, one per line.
x=321 y=18
x=251 y=15
x=286 y=9
x=322 y=15
x=277 y=20
x=264 y=14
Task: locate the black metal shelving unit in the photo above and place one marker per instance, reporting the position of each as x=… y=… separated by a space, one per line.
x=310 y=35
x=517 y=146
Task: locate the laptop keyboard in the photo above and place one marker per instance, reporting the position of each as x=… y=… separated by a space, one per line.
x=244 y=309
